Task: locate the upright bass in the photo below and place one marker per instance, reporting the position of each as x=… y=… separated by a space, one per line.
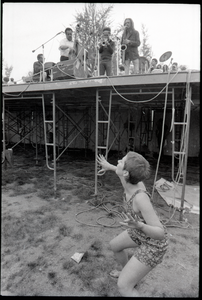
x=81 y=54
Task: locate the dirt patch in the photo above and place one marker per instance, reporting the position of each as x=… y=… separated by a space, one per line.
x=42 y=230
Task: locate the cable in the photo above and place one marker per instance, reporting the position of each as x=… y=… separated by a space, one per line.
x=20 y=92
x=111 y=214
x=162 y=136
x=143 y=101
x=176 y=181
x=163 y=123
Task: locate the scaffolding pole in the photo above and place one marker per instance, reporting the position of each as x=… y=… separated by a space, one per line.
x=96 y=141
x=51 y=144
x=101 y=122
x=183 y=151
x=4 y=133
x=186 y=145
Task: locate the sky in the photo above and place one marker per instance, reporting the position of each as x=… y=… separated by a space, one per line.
x=27 y=26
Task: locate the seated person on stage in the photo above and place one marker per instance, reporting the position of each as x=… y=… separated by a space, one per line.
x=38 y=69
x=67 y=46
x=158 y=69
x=174 y=67
x=153 y=66
x=106 y=49
x=5 y=80
x=165 y=68
x=11 y=81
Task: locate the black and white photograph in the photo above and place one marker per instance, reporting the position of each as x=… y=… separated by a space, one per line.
x=100 y=149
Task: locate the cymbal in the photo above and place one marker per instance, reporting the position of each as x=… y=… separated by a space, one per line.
x=165 y=56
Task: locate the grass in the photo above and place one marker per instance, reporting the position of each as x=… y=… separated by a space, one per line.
x=88 y=270
x=48 y=193
x=83 y=192
x=64 y=230
x=42 y=230
x=16 y=229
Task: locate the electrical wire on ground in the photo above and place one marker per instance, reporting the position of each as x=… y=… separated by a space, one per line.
x=111 y=214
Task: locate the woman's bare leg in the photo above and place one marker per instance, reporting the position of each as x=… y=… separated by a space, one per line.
x=131 y=274
x=118 y=244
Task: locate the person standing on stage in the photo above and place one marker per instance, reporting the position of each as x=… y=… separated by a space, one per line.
x=106 y=49
x=131 y=39
x=67 y=45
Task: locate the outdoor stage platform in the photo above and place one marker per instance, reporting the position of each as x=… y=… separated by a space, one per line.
x=140 y=87
x=100 y=113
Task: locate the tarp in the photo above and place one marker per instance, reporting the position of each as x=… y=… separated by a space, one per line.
x=171 y=192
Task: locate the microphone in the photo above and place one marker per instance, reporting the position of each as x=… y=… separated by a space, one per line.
x=48 y=41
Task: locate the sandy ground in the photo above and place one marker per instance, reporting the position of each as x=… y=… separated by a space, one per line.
x=40 y=232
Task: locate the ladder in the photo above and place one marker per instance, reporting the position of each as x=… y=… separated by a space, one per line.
x=146 y=126
x=50 y=122
x=101 y=125
x=182 y=152
x=3 y=140
x=131 y=129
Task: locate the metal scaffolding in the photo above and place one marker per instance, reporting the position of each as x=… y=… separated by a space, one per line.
x=105 y=119
x=181 y=153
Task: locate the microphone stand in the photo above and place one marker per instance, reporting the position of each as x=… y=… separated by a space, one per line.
x=117 y=56
x=43 y=50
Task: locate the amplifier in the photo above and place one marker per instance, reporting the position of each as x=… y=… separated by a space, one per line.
x=64 y=69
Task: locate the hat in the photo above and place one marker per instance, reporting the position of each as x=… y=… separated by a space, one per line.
x=107 y=28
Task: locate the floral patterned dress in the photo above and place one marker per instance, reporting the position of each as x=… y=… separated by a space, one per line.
x=149 y=251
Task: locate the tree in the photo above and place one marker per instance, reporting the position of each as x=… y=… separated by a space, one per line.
x=90 y=23
x=145 y=49
x=8 y=70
